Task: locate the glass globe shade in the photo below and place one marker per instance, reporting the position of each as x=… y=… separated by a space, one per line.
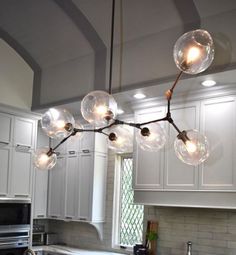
x=194 y=51
x=57 y=123
x=154 y=141
x=42 y=161
x=124 y=139
x=98 y=108
x=195 y=150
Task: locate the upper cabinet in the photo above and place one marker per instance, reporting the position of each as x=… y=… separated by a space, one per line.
x=218 y=118
x=5 y=128
x=178 y=175
x=148 y=165
x=17 y=141
x=205 y=185
x=24 y=132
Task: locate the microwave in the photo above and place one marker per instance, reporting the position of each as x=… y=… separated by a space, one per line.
x=15 y=214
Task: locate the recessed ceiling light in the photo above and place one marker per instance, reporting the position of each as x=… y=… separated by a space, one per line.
x=139 y=96
x=208 y=83
x=120 y=111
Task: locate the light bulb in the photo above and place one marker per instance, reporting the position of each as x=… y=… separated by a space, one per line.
x=57 y=123
x=194 y=51
x=121 y=139
x=191 y=147
x=98 y=108
x=193 y=54
x=151 y=138
x=42 y=160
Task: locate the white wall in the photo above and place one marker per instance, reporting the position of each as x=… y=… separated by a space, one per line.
x=16 y=78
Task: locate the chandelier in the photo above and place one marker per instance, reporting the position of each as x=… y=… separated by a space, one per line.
x=193 y=53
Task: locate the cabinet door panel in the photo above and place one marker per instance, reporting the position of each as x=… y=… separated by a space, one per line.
x=21 y=174
x=56 y=189
x=179 y=175
x=4 y=170
x=99 y=187
x=5 y=128
x=40 y=193
x=24 y=132
x=87 y=141
x=148 y=166
x=71 y=187
x=85 y=186
x=218 y=124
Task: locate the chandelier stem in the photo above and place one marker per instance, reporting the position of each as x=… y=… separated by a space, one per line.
x=111 y=45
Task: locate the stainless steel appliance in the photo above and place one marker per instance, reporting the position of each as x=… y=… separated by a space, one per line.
x=14 y=241
x=14 y=227
x=38 y=235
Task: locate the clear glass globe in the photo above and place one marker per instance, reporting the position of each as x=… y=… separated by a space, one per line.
x=155 y=140
x=98 y=108
x=42 y=161
x=124 y=139
x=194 y=51
x=57 y=123
x=195 y=150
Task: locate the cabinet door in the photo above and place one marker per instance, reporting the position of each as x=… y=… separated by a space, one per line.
x=4 y=170
x=101 y=143
x=56 y=189
x=21 y=174
x=40 y=194
x=71 y=187
x=218 y=123
x=5 y=128
x=86 y=164
x=148 y=166
x=24 y=132
x=40 y=181
x=99 y=187
x=87 y=140
x=61 y=150
x=178 y=175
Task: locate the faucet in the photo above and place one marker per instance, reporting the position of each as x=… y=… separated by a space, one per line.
x=29 y=251
x=189 y=248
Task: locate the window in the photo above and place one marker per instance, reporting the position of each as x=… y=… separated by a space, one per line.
x=128 y=217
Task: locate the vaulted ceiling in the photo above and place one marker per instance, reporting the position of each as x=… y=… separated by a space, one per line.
x=66 y=42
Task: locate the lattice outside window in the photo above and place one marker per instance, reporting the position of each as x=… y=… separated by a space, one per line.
x=131 y=215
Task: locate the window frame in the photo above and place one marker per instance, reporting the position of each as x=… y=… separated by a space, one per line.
x=119 y=161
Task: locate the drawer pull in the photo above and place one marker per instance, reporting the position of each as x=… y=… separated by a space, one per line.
x=72 y=152
x=83 y=218
x=69 y=218
x=21 y=195
x=4 y=143
x=85 y=151
x=54 y=216
x=40 y=216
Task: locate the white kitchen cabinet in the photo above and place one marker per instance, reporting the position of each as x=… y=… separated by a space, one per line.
x=5 y=161
x=21 y=173
x=148 y=166
x=40 y=182
x=92 y=186
x=178 y=175
x=71 y=186
x=24 y=132
x=56 y=189
x=218 y=123
x=6 y=121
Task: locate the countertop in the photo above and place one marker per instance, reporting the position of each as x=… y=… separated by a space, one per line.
x=72 y=251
